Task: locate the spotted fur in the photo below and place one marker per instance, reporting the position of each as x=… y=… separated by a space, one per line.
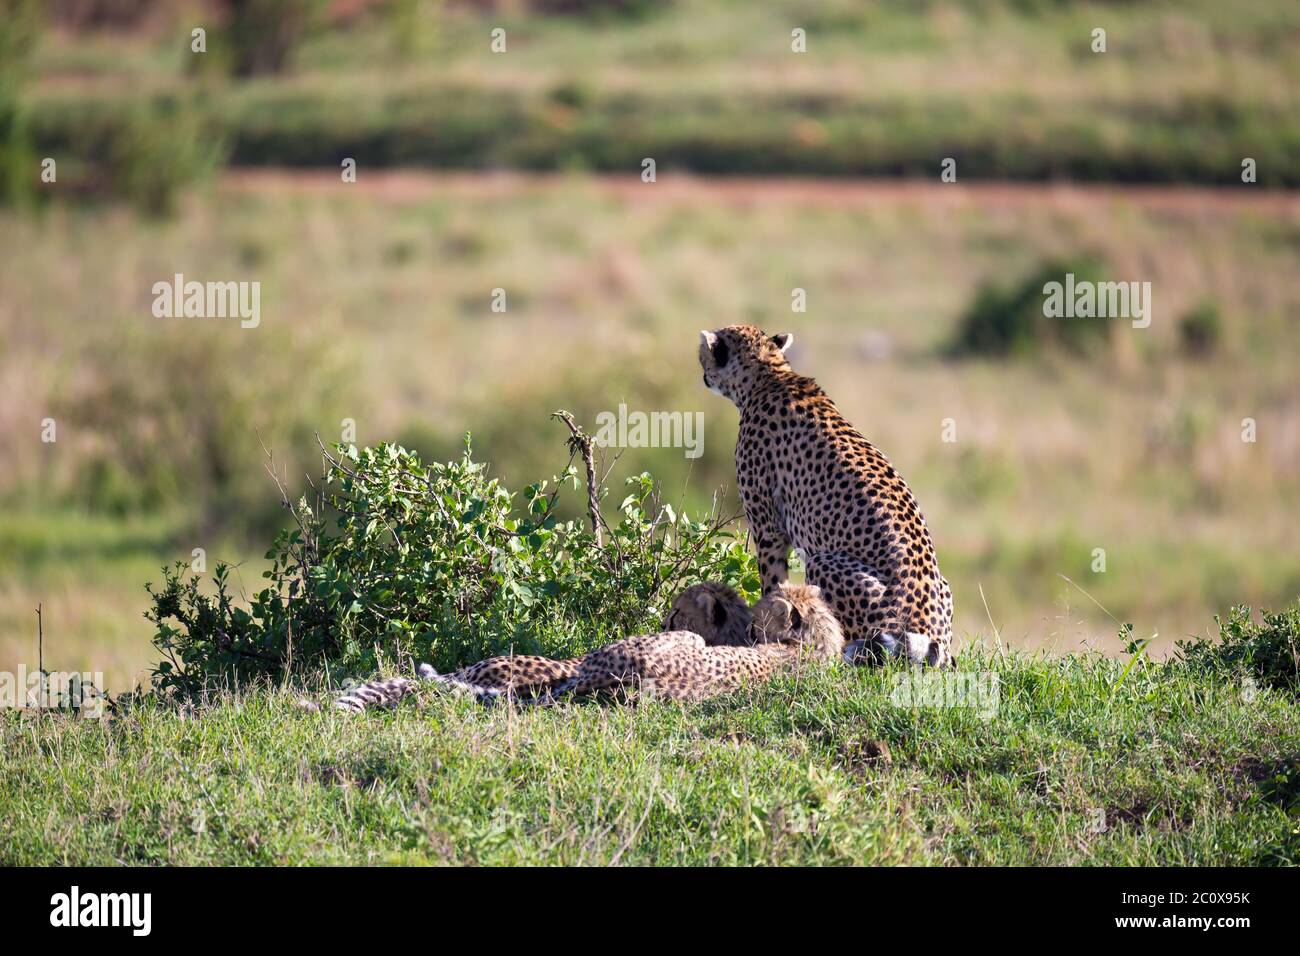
x=790 y=625
x=711 y=610
x=810 y=480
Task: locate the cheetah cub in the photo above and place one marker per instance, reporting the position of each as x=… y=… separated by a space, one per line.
x=809 y=480
x=790 y=626
x=711 y=610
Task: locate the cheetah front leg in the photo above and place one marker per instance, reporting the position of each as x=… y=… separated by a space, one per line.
x=771 y=544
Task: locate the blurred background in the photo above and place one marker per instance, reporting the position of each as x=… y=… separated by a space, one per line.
x=776 y=170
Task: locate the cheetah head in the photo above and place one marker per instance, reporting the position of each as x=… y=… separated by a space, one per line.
x=797 y=614
x=712 y=610
x=736 y=357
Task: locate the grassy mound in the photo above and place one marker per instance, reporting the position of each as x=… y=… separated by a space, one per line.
x=1070 y=760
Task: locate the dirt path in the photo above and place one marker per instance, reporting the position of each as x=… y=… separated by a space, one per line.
x=411 y=185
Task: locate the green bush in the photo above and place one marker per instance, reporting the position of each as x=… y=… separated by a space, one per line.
x=396 y=560
x=1267 y=653
x=18 y=165
x=1009 y=320
x=141 y=150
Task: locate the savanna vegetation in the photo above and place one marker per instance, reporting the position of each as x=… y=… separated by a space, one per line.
x=377 y=308
x=1182 y=93
x=1093 y=488
x=1074 y=759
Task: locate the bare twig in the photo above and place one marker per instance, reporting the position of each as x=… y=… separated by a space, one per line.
x=40 y=654
x=608 y=471
x=269 y=465
x=580 y=441
x=334 y=461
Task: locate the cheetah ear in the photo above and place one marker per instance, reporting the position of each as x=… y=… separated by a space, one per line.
x=708 y=338
x=788 y=612
x=719 y=615
x=783 y=340
x=814 y=590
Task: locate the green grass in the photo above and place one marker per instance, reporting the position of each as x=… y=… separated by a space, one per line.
x=87 y=571
x=1184 y=92
x=1182 y=769
x=1200 y=139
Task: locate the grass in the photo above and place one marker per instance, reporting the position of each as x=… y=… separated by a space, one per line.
x=1183 y=93
x=1136 y=452
x=87 y=571
x=1085 y=760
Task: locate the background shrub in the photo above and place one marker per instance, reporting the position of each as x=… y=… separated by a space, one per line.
x=260 y=36
x=175 y=417
x=1200 y=330
x=154 y=150
x=1009 y=320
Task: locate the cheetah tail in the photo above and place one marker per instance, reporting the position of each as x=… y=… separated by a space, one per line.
x=390 y=692
x=376 y=693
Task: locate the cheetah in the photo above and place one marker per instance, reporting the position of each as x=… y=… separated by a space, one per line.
x=520 y=674
x=789 y=625
x=808 y=479
x=713 y=611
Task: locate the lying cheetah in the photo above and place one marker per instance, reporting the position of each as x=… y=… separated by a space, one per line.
x=713 y=611
x=810 y=480
x=520 y=674
x=789 y=625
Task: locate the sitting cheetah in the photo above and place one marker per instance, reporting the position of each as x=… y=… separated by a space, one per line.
x=790 y=624
x=810 y=480
x=713 y=611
